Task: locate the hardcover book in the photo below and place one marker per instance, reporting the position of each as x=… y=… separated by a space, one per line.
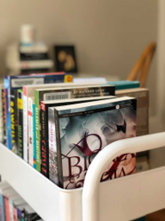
x=64 y=93
x=17 y=82
x=78 y=132
x=44 y=105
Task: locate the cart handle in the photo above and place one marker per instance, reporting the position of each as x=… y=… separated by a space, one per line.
x=90 y=208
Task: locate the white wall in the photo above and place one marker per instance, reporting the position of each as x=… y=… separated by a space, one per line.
x=109 y=35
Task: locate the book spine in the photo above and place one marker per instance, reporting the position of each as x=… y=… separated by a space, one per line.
x=11 y=210
x=34 y=138
x=30 y=120
x=25 y=124
x=6 y=109
x=53 y=165
x=7 y=210
x=3 y=117
x=44 y=147
x=14 y=121
x=58 y=145
x=15 y=214
x=20 y=124
x=2 y=218
x=37 y=121
x=8 y=112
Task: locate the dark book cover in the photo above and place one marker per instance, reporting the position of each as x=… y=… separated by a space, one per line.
x=20 y=123
x=81 y=132
x=14 y=120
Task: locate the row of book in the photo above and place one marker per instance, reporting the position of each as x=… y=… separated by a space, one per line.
x=58 y=128
x=10 y=212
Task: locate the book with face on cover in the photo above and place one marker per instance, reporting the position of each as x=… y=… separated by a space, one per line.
x=80 y=131
x=44 y=105
x=58 y=93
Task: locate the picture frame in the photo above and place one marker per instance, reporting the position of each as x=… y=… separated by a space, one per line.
x=65 y=58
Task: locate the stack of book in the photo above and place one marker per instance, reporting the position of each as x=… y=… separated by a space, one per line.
x=24 y=59
x=59 y=128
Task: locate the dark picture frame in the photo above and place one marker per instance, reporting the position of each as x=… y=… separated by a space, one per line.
x=65 y=58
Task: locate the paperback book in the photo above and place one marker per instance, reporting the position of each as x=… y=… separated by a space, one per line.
x=44 y=105
x=78 y=132
x=64 y=93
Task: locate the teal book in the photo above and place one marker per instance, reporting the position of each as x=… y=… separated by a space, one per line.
x=120 y=85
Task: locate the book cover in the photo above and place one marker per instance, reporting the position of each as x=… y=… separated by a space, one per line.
x=44 y=105
x=36 y=81
x=17 y=82
x=34 y=137
x=14 y=121
x=20 y=123
x=59 y=94
x=83 y=130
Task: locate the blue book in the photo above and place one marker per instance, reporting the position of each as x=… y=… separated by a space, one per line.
x=34 y=138
x=2 y=211
x=17 y=82
x=120 y=85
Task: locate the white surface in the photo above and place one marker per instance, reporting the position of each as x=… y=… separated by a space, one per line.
x=133 y=196
x=122 y=199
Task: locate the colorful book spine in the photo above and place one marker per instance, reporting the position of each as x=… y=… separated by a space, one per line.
x=20 y=123
x=25 y=119
x=7 y=209
x=4 y=116
x=2 y=216
x=15 y=214
x=11 y=210
x=30 y=120
x=14 y=120
x=37 y=123
x=44 y=152
x=53 y=164
x=34 y=138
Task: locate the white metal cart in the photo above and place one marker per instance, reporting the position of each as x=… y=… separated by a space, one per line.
x=122 y=199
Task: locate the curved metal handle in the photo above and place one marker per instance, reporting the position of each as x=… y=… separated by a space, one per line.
x=92 y=180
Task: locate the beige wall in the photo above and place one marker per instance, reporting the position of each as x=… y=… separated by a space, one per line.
x=109 y=35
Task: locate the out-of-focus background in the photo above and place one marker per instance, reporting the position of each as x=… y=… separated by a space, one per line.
x=109 y=35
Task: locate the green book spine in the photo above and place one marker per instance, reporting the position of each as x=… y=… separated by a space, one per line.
x=37 y=122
